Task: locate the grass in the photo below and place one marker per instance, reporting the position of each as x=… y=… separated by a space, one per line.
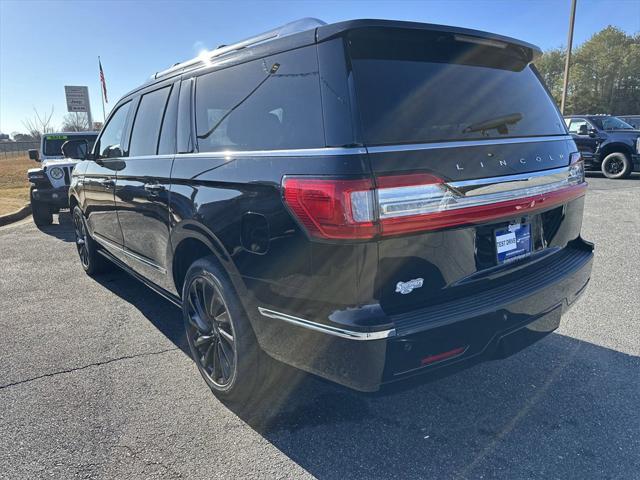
x=14 y=186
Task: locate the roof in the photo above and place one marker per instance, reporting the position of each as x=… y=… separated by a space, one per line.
x=308 y=31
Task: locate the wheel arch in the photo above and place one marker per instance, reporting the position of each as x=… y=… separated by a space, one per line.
x=616 y=147
x=73 y=202
x=191 y=241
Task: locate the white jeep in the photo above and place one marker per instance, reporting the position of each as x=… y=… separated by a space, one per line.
x=50 y=182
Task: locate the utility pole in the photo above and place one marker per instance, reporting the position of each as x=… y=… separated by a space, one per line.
x=565 y=83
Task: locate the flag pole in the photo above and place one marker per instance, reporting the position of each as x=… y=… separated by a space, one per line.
x=104 y=117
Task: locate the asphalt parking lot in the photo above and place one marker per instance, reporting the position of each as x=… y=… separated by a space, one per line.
x=95 y=383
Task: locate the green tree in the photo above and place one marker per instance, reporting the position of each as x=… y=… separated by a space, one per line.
x=604 y=77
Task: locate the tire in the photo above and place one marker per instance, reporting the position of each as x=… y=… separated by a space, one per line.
x=221 y=339
x=41 y=212
x=616 y=165
x=92 y=262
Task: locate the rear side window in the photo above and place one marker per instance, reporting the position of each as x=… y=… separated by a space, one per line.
x=417 y=86
x=267 y=104
x=146 y=126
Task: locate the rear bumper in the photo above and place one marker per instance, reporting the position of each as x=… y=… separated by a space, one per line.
x=57 y=197
x=635 y=159
x=491 y=324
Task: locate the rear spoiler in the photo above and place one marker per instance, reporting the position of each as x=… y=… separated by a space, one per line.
x=327 y=32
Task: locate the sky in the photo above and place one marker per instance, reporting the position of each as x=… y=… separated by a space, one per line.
x=45 y=45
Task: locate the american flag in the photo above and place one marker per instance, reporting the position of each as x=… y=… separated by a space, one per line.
x=104 y=84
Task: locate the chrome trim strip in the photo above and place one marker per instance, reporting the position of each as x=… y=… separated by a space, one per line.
x=108 y=243
x=159 y=290
x=338 y=332
x=294 y=152
x=483 y=186
x=411 y=200
x=328 y=151
x=466 y=143
x=509 y=178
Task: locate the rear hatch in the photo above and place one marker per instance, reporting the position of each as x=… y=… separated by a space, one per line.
x=474 y=176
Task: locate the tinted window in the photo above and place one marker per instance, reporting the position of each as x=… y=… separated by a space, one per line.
x=110 y=141
x=415 y=86
x=167 y=143
x=611 y=123
x=53 y=144
x=576 y=123
x=146 y=126
x=271 y=103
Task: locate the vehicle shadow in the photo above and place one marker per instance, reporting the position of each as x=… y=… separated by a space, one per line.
x=62 y=229
x=596 y=174
x=563 y=408
x=162 y=314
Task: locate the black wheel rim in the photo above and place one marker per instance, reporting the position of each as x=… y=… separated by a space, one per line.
x=81 y=239
x=210 y=332
x=614 y=166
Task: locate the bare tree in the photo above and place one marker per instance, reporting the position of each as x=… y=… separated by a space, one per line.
x=75 y=122
x=39 y=124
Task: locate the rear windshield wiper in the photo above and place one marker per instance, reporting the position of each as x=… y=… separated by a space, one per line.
x=499 y=123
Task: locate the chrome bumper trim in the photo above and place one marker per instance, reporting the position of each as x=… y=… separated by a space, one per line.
x=318 y=327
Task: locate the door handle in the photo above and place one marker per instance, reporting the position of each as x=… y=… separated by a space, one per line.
x=107 y=183
x=153 y=188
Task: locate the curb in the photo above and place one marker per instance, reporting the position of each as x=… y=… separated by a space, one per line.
x=15 y=216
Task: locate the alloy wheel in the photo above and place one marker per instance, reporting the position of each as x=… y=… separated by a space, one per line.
x=81 y=239
x=615 y=166
x=210 y=332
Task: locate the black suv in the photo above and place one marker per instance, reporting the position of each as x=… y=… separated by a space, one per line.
x=366 y=201
x=606 y=143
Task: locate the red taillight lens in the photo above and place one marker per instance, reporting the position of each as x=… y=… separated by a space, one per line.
x=332 y=209
x=400 y=204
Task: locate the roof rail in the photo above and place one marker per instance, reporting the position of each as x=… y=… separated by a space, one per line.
x=296 y=26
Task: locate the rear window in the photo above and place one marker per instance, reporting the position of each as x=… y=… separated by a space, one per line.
x=266 y=104
x=416 y=86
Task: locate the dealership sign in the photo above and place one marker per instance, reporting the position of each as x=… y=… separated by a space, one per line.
x=77 y=99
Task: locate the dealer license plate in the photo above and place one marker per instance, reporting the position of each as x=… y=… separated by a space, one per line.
x=513 y=242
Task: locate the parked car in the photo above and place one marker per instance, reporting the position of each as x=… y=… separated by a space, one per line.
x=633 y=120
x=366 y=201
x=606 y=143
x=49 y=191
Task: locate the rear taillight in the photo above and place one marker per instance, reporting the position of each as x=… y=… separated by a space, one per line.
x=337 y=209
x=399 y=204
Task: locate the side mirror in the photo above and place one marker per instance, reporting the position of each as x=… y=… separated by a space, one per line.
x=76 y=149
x=593 y=132
x=112 y=151
x=34 y=155
x=583 y=130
